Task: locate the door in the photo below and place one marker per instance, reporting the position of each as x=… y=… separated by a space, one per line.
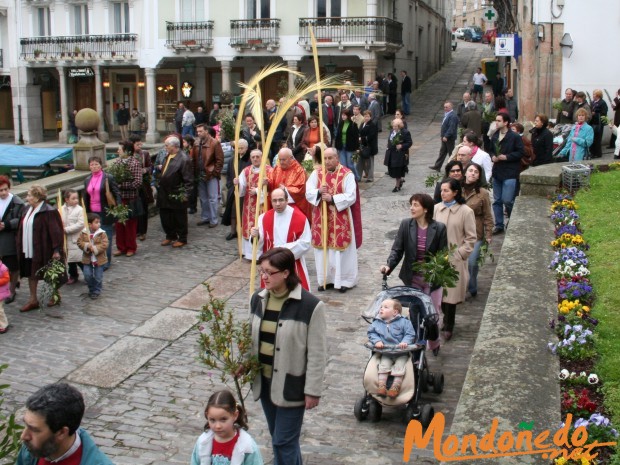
x=274 y=86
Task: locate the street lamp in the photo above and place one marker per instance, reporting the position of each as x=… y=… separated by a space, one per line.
x=330 y=67
x=567 y=45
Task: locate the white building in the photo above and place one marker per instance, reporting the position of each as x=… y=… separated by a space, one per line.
x=71 y=54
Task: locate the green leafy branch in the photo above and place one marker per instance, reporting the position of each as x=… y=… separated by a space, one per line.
x=433 y=179
x=226 y=345
x=180 y=195
x=9 y=430
x=52 y=274
x=484 y=253
x=119 y=212
x=120 y=171
x=437 y=269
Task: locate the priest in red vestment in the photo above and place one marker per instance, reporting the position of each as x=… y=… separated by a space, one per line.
x=285 y=226
x=340 y=193
x=248 y=189
x=290 y=175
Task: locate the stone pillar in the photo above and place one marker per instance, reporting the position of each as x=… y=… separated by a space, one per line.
x=370 y=69
x=226 y=68
x=64 y=105
x=99 y=102
x=152 y=136
x=27 y=109
x=292 y=65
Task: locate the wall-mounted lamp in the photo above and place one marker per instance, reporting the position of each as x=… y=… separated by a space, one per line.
x=567 y=45
x=330 y=67
x=106 y=84
x=141 y=84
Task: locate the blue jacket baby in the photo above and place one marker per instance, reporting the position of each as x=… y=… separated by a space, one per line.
x=398 y=329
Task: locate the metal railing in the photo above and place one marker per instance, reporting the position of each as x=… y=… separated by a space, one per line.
x=368 y=30
x=88 y=47
x=189 y=35
x=254 y=33
x=1 y=58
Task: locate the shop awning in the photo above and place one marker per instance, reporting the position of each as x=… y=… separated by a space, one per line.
x=20 y=156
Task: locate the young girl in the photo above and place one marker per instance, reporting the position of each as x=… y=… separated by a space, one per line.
x=225 y=441
x=5 y=292
x=73 y=219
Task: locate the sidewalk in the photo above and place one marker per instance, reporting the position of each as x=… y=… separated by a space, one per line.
x=131 y=353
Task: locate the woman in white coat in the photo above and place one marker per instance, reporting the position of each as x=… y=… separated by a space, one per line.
x=461 y=227
x=73 y=222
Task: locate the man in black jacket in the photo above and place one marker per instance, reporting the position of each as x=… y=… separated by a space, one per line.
x=405 y=92
x=506 y=157
x=122 y=117
x=449 y=127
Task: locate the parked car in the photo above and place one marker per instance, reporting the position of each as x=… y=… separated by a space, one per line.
x=453 y=41
x=489 y=36
x=460 y=32
x=471 y=35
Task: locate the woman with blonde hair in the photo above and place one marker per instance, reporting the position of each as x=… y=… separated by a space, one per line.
x=40 y=238
x=580 y=138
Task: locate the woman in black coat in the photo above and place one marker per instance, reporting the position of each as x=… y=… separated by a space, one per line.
x=11 y=207
x=542 y=141
x=347 y=141
x=420 y=227
x=369 y=147
x=397 y=153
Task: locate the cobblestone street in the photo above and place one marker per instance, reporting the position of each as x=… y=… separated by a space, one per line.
x=149 y=408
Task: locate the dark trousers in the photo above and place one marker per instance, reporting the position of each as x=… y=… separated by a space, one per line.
x=143 y=220
x=174 y=222
x=449 y=316
x=596 y=151
x=284 y=426
x=193 y=197
x=446 y=149
x=73 y=269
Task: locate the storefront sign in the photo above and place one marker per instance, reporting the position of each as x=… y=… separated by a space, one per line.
x=81 y=72
x=504 y=46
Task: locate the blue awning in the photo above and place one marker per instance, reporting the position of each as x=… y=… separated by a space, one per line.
x=20 y=156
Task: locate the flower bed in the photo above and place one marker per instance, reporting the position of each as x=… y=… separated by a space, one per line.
x=581 y=388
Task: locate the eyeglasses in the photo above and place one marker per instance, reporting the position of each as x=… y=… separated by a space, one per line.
x=456 y=171
x=268 y=273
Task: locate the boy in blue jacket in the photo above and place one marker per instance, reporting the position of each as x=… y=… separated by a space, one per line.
x=390 y=327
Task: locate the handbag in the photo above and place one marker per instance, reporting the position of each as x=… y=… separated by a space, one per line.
x=108 y=195
x=365 y=151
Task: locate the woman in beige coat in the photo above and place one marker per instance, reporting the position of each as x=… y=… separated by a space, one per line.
x=461 y=226
x=73 y=222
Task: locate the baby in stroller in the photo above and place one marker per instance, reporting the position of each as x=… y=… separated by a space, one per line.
x=391 y=328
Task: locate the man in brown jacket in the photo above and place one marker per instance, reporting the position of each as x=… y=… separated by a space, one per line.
x=209 y=159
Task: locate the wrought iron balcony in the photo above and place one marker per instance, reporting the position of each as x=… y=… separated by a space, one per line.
x=378 y=33
x=80 y=48
x=189 y=36
x=255 y=33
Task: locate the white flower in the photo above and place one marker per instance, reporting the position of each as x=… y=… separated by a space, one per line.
x=593 y=379
x=564 y=374
x=572 y=374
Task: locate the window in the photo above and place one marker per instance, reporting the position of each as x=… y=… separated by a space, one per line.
x=121 y=17
x=257 y=9
x=328 y=8
x=192 y=10
x=43 y=21
x=80 y=20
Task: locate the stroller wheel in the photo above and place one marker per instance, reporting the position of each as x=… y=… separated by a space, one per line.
x=360 y=410
x=438 y=383
x=412 y=412
x=374 y=411
x=427 y=414
x=424 y=380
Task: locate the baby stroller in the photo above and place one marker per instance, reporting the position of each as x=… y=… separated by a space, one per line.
x=419 y=308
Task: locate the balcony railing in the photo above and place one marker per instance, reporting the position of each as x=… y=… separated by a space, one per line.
x=76 y=48
x=255 y=33
x=1 y=58
x=372 y=32
x=189 y=36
